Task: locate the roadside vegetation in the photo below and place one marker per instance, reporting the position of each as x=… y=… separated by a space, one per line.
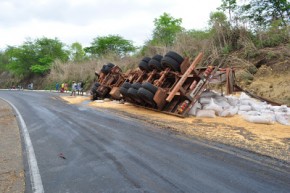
x=253 y=34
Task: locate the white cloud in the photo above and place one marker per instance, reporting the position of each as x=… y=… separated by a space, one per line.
x=83 y=20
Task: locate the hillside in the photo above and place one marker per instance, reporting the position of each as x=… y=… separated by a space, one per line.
x=267 y=73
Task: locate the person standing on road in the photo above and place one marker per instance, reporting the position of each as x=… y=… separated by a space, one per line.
x=57 y=87
x=78 y=87
x=62 y=87
x=65 y=87
x=73 y=88
x=82 y=87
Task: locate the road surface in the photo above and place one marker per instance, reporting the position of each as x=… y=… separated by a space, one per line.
x=80 y=149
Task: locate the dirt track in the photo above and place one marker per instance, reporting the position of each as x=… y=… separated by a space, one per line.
x=11 y=164
x=269 y=140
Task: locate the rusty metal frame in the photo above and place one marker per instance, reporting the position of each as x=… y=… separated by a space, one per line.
x=174 y=88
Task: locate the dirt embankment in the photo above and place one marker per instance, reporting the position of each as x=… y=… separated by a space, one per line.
x=269 y=140
x=266 y=72
x=11 y=164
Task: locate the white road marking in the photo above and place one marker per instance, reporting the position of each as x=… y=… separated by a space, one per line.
x=35 y=177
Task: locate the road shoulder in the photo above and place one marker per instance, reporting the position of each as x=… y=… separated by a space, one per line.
x=11 y=161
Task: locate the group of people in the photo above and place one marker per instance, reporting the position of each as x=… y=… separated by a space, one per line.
x=61 y=87
x=76 y=87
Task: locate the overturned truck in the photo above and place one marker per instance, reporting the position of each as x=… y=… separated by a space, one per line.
x=169 y=83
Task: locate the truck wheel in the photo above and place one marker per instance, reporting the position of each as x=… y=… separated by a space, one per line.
x=146 y=59
x=145 y=94
x=171 y=63
x=110 y=65
x=126 y=85
x=157 y=57
x=124 y=91
x=175 y=56
x=154 y=64
x=136 y=85
x=94 y=96
x=150 y=87
x=106 y=69
x=144 y=66
x=132 y=93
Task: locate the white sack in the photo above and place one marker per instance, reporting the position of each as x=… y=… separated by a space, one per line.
x=232 y=100
x=258 y=106
x=288 y=111
x=213 y=106
x=225 y=113
x=270 y=115
x=234 y=111
x=259 y=119
x=244 y=96
x=247 y=102
x=282 y=108
x=223 y=103
x=242 y=112
x=194 y=108
x=245 y=108
x=253 y=113
x=205 y=113
x=229 y=112
x=282 y=118
x=204 y=100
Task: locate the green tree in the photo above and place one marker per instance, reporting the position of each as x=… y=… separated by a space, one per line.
x=110 y=44
x=3 y=61
x=166 y=28
x=77 y=52
x=20 y=58
x=230 y=6
x=35 y=57
x=264 y=12
x=220 y=27
x=46 y=51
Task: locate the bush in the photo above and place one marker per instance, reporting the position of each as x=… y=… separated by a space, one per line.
x=274 y=36
x=40 y=69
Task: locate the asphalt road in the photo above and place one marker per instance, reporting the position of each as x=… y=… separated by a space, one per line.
x=106 y=152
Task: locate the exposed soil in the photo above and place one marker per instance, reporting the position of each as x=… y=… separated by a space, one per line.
x=269 y=140
x=273 y=86
x=266 y=73
x=11 y=164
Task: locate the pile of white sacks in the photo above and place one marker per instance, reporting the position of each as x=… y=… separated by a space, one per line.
x=212 y=104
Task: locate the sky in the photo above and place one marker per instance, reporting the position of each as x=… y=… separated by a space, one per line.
x=83 y=20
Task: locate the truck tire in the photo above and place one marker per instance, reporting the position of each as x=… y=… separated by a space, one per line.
x=132 y=93
x=145 y=94
x=97 y=84
x=126 y=85
x=110 y=65
x=157 y=57
x=146 y=59
x=154 y=64
x=124 y=91
x=106 y=69
x=171 y=63
x=144 y=66
x=175 y=56
x=150 y=87
x=136 y=85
